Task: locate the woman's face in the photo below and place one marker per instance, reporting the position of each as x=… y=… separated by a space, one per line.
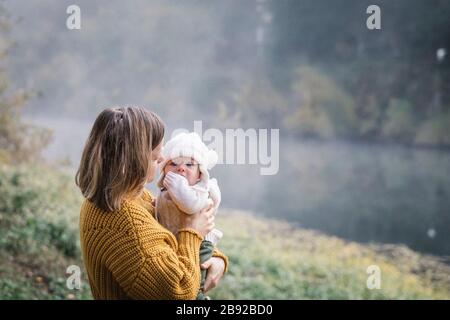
x=156 y=159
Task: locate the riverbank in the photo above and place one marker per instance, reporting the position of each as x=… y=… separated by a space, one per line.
x=269 y=259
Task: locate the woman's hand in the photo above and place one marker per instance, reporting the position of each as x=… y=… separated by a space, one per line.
x=216 y=267
x=202 y=222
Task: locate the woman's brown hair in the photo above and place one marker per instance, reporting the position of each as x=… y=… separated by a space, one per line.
x=117 y=155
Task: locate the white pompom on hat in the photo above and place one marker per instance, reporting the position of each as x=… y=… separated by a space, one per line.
x=189 y=145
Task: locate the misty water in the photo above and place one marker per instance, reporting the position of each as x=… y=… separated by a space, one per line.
x=360 y=192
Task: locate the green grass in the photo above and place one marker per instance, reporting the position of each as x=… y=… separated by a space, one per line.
x=38 y=233
x=272 y=260
x=269 y=259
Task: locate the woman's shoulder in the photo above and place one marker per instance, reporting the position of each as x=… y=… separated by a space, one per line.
x=94 y=219
x=141 y=207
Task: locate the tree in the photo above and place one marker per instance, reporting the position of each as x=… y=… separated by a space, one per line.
x=397 y=63
x=19 y=141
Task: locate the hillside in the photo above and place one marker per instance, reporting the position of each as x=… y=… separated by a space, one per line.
x=269 y=259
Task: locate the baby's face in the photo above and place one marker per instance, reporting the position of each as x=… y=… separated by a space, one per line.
x=185 y=167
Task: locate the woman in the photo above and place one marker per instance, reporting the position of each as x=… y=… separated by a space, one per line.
x=127 y=253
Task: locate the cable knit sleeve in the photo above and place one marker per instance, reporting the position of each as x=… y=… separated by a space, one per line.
x=218 y=254
x=168 y=269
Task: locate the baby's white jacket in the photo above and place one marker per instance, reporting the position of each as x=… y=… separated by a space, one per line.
x=181 y=198
x=191 y=199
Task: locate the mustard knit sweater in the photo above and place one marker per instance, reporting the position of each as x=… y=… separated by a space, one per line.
x=129 y=255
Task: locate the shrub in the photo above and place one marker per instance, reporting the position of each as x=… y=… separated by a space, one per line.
x=435 y=131
x=400 y=124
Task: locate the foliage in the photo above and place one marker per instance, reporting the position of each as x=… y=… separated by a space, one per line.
x=393 y=62
x=19 y=141
x=400 y=124
x=268 y=259
x=435 y=131
x=371 y=84
x=321 y=107
x=38 y=233
x=256 y=103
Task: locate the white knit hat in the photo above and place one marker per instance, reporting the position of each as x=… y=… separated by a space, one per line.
x=189 y=145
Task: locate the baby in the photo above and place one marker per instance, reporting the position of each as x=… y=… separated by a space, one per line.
x=185 y=186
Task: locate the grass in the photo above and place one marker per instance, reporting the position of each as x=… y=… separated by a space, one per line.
x=38 y=234
x=269 y=259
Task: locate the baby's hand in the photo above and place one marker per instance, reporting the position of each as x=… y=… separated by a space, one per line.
x=172 y=179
